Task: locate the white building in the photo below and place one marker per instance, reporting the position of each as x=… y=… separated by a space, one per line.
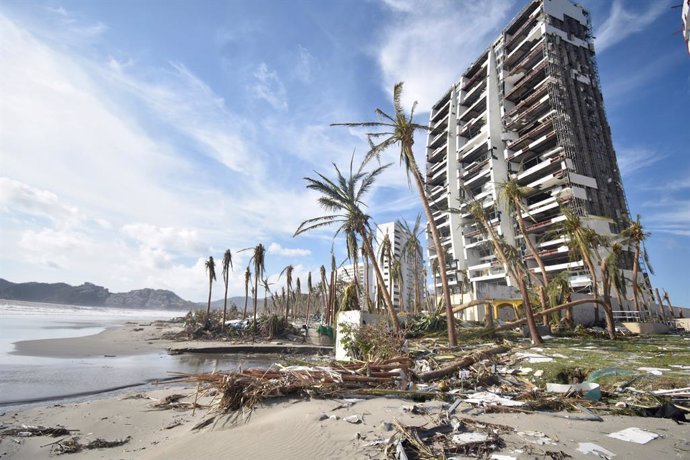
x=685 y=12
x=365 y=278
x=529 y=108
x=404 y=294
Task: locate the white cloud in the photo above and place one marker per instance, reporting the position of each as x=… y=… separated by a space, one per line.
x=277 y=249
x=633 y=159
x=304 y=66
x=429 y=43
x=622 y=23
x=269 y=87
x=183 y=240
x=16 y=196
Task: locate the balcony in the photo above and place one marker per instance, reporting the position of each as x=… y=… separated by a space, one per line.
x=538 y=93
x=527 y=46
x=533 y=134
x=547 y=166
x=529 y=114
x=476 y=109
x=437 y=154
x=544 y=224
x=439 y=139
x=473 y=128
x=528 y=83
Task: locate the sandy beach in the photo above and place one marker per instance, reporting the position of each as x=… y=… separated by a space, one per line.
x=286 y=428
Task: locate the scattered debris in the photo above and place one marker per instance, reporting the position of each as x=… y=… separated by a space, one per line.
x=72 y=445
x=588 y=390
x=535 y=437
x=26 y=431
x=635 y=435
x=486 y=397
x=594 y=449
x=354 y=419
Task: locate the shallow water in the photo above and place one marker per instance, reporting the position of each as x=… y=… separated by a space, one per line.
x=25 y=379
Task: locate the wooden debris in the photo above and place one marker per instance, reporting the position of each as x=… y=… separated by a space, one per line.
x=462 y=363
x=72 y=445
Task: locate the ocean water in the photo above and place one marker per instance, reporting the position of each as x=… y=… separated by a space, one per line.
x=29 y=379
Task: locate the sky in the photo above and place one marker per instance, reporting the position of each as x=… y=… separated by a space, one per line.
x=137 y=138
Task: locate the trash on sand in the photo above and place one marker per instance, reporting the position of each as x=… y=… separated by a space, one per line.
x=502 y=457
x=594 y=449
x=535 y=437
x=486 y=397
x=469 y=438
x=589 y=390
x=635 y=435
x=354 y=419
x=534 y=358
x=539 y=373
x=653 y=370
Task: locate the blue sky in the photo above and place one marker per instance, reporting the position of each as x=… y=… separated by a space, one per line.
x=139 y=137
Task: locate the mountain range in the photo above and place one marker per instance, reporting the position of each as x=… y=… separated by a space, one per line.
x=93 y=295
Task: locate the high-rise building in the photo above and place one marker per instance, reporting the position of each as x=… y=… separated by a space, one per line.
x=400 y=279
x=685 y=16
x=529 y=108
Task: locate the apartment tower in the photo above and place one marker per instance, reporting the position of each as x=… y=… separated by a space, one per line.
x=529 y=108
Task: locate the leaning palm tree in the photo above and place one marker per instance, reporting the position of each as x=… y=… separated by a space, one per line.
x=343 y=199
x=611 y=275
x=227 y=266
x=211 y=271
x=514 y=194
x=288 y=284
x=397 y=278
x=582 y=242
x=636 y=235
x=310 y=290
x=399 y=130
x=509 y=258
x=412 y=251
x=247 y=280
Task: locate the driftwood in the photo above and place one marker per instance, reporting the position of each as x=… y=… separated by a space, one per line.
x=462 y=363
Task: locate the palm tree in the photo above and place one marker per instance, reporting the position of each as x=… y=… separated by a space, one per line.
x=412 y=251
x=264 y=282
x=211 y=271
x=510 y=258
x=259 y=266
x=386 y=255
x=324 y=297
x=343 y=199
x=611 y=275
x=247 y=280
x=310 y=290
x=288 y=283
x=558 y=292
x=636 y=235
x=399 y=130
x=367 y=287
x=227 y=264
x=514 y=194
x=582 y=241
x=396 y=276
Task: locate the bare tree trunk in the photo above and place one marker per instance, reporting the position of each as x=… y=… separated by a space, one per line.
x=225 y=303
x=440 y=252
x=636 y=268
x=208 y=309
x=379 y=277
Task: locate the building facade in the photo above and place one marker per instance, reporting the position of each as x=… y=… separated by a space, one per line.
x=529 y=108
x=400 y=278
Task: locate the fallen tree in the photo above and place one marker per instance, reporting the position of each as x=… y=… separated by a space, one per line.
x=461 y=363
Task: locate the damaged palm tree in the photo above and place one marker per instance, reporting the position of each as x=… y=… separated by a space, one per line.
x=399 y=129
x=343 y=198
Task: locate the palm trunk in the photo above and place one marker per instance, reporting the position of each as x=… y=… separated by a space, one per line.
x=595 y=288
x=636 y=268
x=208 y=309
x=528 y=242
x=246 y=299
x=440 y=253
x=256 y=289
x=367 y=287
x=379 y=277
x=225 y=303
x=306 y=316
x=608 y=309
x=417 y=296
x=519 y=281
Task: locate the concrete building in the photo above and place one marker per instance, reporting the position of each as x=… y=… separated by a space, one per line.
x=530 y=108
x=365 y=278
x=404 y=293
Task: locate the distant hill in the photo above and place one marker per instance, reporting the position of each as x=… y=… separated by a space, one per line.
x=92 y=295
x=237 y=300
